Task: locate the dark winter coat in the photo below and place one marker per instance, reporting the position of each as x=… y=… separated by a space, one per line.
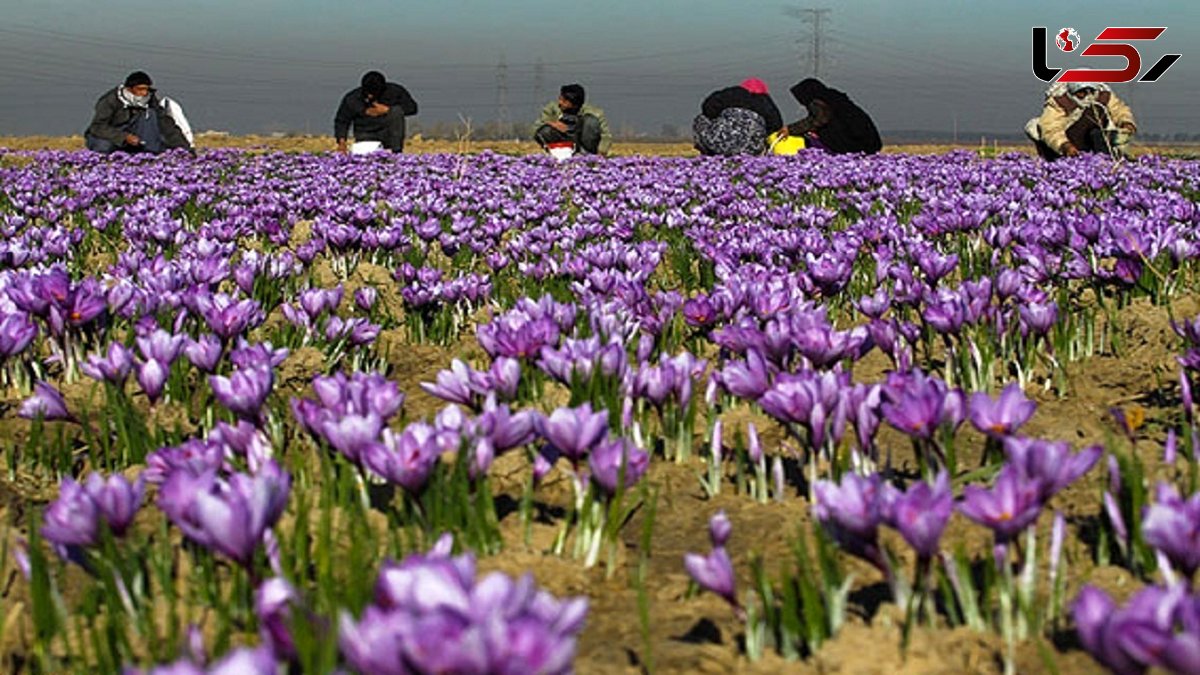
x=112 y=118
x=353 y=111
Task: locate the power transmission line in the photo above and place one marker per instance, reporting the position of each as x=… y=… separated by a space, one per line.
x=539 y=82
x=502 y=92
x=816 y=16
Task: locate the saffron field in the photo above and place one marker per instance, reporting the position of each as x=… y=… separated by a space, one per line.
x=268 y=412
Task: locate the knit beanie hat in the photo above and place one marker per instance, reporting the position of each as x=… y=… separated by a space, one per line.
x=754 y=85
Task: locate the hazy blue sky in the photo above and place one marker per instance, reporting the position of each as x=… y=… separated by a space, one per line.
x=264 y=65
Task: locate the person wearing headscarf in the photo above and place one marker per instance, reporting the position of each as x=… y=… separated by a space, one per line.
x=834 y=122
x=132 y=118
x=1081 y=117
x=376 y=110
x=737 y=120
x=571 y=119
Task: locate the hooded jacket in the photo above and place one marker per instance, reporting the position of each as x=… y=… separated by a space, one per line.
x=112 y=117
x=1062 y=111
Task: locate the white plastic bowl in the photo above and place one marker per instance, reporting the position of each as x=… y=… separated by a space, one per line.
x=561 y=151
x=365 y=147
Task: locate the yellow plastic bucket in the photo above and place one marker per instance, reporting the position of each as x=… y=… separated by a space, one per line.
x=787 y=145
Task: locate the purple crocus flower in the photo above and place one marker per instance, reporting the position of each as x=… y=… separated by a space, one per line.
x=244 y=392
x=407 y=458
x=228 y=317
x=351 y=434
x=317 y=301
x=243 y=439
x=790 y=399
x=852 y=511
x=747 y=379
x=916 y=406
x=454 y=385
x=1038 y=317
x=654 y=383
x=240 y=661
x=754 y=449
x=161 y=346
x=152 y=376
x=610 y=457
x=1094 y=613
x=920 y=513
x=432 y=616
x=114 y=367
x=229 y=517
x=257 y=355
x=373 y=645
x=16 y=334
x=204 y=352
x=713 y=573
x=86 y=302
x=505 y=377
x=1001 y=416
x=117 y=500
x=365 y=298
x=1012 y=504
x=1172 y=525
x=194 y=456
x=272 y=605
x=699 y=312
x=573 y=431
x=505 y=429
x=876 y=305
x=719 y=529
x=1158 y=627
x=350 y=411
x=46 y=403
x=517 y=335
x=1052 y=464
x=73 y=518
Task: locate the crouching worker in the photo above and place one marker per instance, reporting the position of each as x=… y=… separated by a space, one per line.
x=1081 y=117
x=376 y=109
x=133 y=118
x=572 y=120
x=834 y=123
x=737 y=120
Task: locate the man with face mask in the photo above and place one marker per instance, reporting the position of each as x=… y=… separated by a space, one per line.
x=1081 y=117
x=132 y=118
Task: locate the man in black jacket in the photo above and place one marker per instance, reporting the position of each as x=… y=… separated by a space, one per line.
x=131 y=118
x=376 y=110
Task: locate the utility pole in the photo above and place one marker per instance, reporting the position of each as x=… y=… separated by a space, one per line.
x=502 y=97
x=816 y=16
x=539 y=84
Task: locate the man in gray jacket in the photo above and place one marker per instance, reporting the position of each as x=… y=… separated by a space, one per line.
x=131 y=118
